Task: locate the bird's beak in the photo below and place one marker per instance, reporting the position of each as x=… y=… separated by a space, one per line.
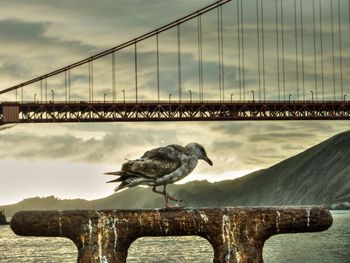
x=208 y=160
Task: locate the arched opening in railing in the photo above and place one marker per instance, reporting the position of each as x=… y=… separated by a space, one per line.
x=171 y=249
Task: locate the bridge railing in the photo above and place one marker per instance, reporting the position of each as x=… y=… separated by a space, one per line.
x=175 y=102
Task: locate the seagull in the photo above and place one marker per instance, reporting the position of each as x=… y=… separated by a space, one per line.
x=160 y=167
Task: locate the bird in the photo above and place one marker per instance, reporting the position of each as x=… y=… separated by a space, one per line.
x=159 y=167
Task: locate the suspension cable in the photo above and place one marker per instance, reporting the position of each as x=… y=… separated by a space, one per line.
x=243 y=67
x=222 y=55
x=69 y=87
x=219 y=52
x=296 y=48
x=158 y=84
x=283 y=55
x=41 y=91
x=200 y=61
x=333 y=56
x=258 y=45
x=129 y=43
x=136 y=73
x=263 y=45
x=179 y=61
x=321 y=42
x=314 y=38
x=340 y=51
x=92 y=80
x=65 y=86
x=239 y=50
x=302 y=46
x=114 y=95
x=278 y=52
x=45 y=90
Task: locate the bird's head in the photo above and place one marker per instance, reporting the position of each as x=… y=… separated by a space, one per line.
x=199 y=151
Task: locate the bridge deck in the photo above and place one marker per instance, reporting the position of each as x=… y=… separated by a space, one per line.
x=39 y=112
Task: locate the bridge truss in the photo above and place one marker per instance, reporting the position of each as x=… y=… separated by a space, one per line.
x=172 y=111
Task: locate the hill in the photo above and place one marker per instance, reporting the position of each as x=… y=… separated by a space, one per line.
x=319 y=175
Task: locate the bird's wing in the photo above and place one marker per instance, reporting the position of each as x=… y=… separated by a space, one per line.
x=156 y=163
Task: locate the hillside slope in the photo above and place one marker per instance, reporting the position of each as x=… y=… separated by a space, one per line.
x=319 y=175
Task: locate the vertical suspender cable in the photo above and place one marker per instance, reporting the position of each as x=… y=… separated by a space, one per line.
x=135 y=62
x=258 y=45
x=263 y=46
x=296 y=48
x=92 y=80
x=340 y=52
x=69 y=89
x=199 y=63
x=243 y=67
x=65 y=86
x=219 y=53
x=321 y=42
x=158 y=84
x=239 y=50
x=278 y=52
x=41 y=91
x=315 y=55
x=333 y=55
x=302 y=46
x=283 y=56
x=222 y=55
x=45 y=90
x=113 y=78
x=179 y=60
x=200 y=57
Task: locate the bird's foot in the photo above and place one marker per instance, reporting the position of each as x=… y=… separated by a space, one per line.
x=167 y=206
x=173 y=198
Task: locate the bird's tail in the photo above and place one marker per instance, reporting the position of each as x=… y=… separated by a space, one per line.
x=128 y=179
x=118 y=173
x=120 y=186
x=123 y=178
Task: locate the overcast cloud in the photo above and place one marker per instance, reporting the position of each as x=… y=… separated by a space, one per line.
x=38 y=36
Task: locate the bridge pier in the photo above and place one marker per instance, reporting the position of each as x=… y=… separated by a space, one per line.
x=236 y=234
x=9 y=113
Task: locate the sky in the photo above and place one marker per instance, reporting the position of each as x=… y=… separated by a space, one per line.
x=68 y=160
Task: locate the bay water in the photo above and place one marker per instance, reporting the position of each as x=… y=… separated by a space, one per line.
x=331 y=246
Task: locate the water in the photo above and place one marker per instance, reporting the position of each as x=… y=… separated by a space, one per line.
x=332 y=246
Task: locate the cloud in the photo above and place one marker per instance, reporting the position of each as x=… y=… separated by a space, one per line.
x=7 y=126
x=64 y=32
x=279 y=136
x=39 y=36
x=108 y=148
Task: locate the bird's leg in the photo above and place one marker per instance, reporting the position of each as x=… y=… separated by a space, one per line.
x=154 y=189
x=171 y=197
x=166 y=196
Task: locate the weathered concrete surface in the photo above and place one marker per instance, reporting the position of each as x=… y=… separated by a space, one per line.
x=237 y=234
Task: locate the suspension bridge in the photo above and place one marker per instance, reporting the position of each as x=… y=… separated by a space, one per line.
x=231 y=60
